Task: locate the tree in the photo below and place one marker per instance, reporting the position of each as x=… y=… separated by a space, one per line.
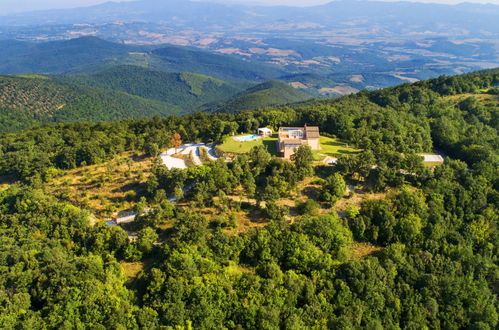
x=276 y=212
x=146 y=239
x=309 y=207
x=303 y=159
x=152 y=149
x=178 y=192
x=141 y=206
x=260 y=158
x=176 y=141
x=333 y=189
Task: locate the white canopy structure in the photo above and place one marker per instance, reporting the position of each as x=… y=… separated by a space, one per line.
x=433 y=158
x=264 y=131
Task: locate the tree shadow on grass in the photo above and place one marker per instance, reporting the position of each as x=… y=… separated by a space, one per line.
x=343 y=148
x=311 y=192
x=271 y=146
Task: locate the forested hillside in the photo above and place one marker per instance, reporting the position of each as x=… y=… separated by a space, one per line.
x=91 y=55
x=379 y=240
x=73 y=55
x=184 y=90
x=268 y=94
x=223 y=67
x=128 y=92
x=31 y=100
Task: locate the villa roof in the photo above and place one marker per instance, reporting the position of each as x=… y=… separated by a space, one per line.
x=292 y=141
x=313 y=135
x=312 y=128
x=312 y=132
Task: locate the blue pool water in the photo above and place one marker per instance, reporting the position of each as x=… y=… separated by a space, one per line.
x=246 y=138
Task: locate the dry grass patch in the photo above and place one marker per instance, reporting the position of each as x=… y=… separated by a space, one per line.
x=132 y=269
x=247 y=221
x=479 y=97
x=104 y=188
x=357 y=198
x=361 y=250
x=236 y=270
x=5 y=182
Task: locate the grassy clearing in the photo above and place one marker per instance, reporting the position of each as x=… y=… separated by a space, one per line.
x=5 y=182
x=357 y=197
x=232 y=146
x=104 y=188
x=479 y=97
x=32 y=76
x=361 y=250
x=234 y=269
x=132 y=269
x=432 y=164
x=333 y=148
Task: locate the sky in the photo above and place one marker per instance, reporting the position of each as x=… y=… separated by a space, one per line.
x=10 y=6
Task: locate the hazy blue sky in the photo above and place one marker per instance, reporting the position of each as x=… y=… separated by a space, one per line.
x=7 y=6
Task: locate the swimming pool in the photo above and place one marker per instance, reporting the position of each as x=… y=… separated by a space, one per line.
x=246 y=138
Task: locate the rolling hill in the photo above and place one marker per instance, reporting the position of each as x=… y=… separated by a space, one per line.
x=31 y=100
x=173 y=58
x=92 y=55
x=128 y=92
x=270 y=93
x=57 y=57
x=185 y=90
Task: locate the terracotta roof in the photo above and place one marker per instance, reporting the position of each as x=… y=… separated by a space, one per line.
x=292 y=141
x=312 y=128
x=313 y=135
x=312 y=132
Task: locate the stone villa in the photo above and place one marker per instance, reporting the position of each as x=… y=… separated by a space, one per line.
x=291 y=138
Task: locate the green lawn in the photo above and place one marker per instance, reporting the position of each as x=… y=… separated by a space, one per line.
x=329 y=147
x=232 y=146
x=334 y=148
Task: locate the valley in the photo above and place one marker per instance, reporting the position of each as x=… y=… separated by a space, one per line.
x=177 y=164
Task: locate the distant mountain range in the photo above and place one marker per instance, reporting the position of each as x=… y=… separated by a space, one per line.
x=382 y=18
x=384 y=42
x=91 y=54
x=318 y=70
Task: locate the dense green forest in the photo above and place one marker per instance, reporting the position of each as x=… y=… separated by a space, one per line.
x=432 y=237
x=128 y=92
x=267 y=94
x=30 y=100
x=185 y=90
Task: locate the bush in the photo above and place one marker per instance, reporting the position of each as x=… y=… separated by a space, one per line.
x=276 y=212
x=310 y=207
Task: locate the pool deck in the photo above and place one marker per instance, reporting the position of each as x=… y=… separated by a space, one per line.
x=237 y=138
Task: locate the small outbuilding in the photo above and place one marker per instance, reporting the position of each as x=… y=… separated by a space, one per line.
x=432 y=158
x=126 y=219
x=264 y=131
